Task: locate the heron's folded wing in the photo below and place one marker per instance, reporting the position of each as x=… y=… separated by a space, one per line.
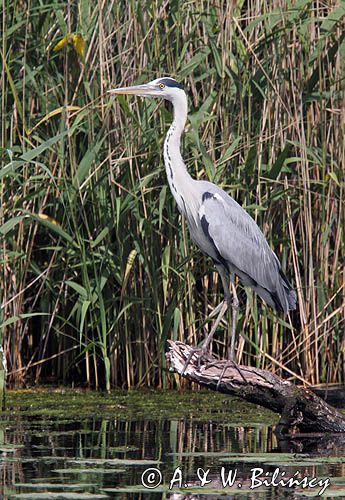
x=238 y=239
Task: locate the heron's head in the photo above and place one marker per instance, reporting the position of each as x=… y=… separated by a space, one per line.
x=166 y=88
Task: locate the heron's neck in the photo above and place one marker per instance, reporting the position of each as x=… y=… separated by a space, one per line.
x=176 y=170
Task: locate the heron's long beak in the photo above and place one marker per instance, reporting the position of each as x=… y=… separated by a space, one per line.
x=144 y=90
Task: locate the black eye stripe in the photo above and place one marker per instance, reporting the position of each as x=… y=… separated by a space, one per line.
x=170 y=82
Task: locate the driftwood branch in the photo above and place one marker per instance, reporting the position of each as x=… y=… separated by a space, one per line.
x=301 y=410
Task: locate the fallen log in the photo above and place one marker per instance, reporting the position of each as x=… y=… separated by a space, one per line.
x=301 y=410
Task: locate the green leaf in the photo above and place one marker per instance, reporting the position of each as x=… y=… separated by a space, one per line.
x=107 y=372
x=20 y=317
x=217 y=58
x=177 y=316
x=165 y=270
x=100 y=237
x=334 y=178
x=86 y=163
x=84 y=309
x=278 y=164
x=162 y=197
x=324 y=64
x=31 y=154
x=10 y=224
x=54 y=228
x=78 y=288
x=194 y=62
x=229 y=152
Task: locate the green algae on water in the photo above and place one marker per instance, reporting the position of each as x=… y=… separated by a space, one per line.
x=132 y=405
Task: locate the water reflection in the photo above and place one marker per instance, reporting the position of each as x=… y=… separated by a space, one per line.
x=105 y=457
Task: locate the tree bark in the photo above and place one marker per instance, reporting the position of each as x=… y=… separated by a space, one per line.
x=301 y=410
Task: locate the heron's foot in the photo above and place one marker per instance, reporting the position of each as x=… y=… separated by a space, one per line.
x=202 y=352
x=230 y=363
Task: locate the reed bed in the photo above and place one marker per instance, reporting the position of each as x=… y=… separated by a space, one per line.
x=98 y=269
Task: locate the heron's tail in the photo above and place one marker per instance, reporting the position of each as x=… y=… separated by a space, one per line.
x=280 y=295
x=290 y=302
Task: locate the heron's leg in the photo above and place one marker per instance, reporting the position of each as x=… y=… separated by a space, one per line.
x=224 y=277
x=205 y=347
x=220 y=310
x=231 y=361
x=223 y=309
x=227 y=296
x=235 y=304
x=215 y=310
x=223 y=306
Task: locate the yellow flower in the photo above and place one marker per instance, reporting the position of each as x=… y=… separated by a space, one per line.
x=79 y=45
x=76 y=39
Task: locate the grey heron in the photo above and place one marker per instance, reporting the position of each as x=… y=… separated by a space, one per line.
x=219 y=226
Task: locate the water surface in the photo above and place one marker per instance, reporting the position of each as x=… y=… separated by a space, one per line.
x=57 y=444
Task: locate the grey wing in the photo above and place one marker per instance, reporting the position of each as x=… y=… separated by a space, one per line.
x=241 y=247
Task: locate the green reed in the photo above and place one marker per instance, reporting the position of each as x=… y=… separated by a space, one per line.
x=98 y=269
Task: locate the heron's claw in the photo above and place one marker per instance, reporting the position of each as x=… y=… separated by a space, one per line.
x=202 y=352
x=230 y=363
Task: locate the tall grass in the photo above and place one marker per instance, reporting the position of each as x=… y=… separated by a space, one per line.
x=98 y=269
